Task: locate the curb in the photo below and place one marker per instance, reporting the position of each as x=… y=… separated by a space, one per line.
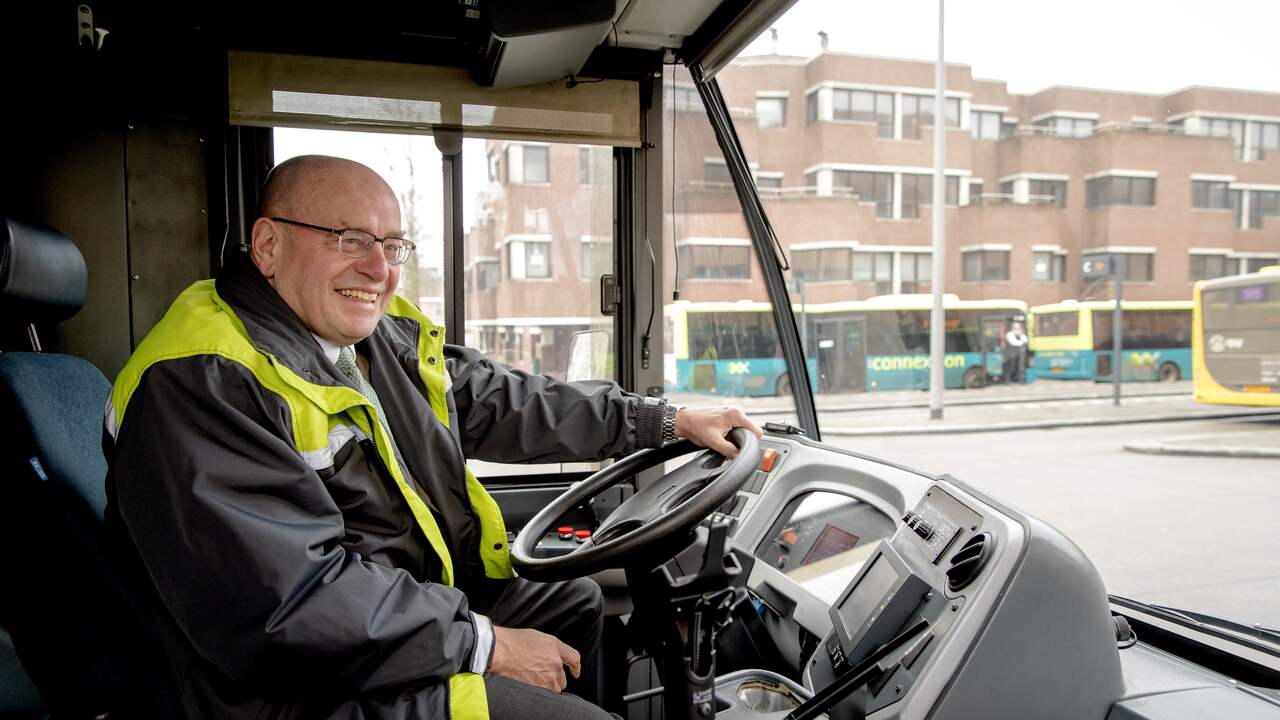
x=1015 y=399
x=1236 y=451
x=1037 y=424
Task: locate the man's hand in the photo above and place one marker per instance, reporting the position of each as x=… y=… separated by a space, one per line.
x=532 y=657
x=709 y=426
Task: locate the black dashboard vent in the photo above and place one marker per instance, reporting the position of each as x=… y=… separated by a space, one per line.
x=969 y=561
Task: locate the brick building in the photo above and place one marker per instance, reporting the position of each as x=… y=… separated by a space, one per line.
x=1186 y=185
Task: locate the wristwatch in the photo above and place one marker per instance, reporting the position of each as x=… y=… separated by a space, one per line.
x=669 y=423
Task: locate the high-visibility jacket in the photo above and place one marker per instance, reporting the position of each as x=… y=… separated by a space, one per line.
x=297 y=566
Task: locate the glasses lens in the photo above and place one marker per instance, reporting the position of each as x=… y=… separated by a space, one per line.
x=354 y=243
x=397 y=250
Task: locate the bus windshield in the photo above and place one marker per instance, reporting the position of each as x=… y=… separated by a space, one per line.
x=1047 y=161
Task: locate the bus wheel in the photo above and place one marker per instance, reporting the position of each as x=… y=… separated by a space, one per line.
x=975 y=377
x=783 y=386
x=1169 y=372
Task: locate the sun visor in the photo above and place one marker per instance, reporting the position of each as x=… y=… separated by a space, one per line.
x=271 y=90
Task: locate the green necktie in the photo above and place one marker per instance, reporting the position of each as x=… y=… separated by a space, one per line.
x=347 y=364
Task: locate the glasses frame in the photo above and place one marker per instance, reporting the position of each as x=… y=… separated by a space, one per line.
x=337 y=233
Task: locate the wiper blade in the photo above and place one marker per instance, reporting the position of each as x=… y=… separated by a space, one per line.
x=1199 y=619
x=1259 y=631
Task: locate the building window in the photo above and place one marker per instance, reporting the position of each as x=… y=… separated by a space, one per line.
x=917 y=112
x=584 y=166
x=874 y=267
x=1212 y=194
x=715 y=262
x=1252 y=265
x=975 y=192
x=716 y=172
x=869 y=187
x=917 y=271
x=985 y=265
x=984 y=125
x=1225 y=127
x=1048 y=267
x=1121 y=190
x=537 y=164
x=864 y=106
x=1207 y=267
x=1067 y=126
x=825 y=265
x=1262 y=203
x=1138 y=267
x=584 y=258
x=1052 y=192
x=769 y=184
x=487 y=274
x=811 y=108
x=528 y=259
x=771 y=112
x=1266 y=136
x=917 y=190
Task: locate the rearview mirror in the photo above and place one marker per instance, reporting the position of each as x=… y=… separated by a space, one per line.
x=589 y=357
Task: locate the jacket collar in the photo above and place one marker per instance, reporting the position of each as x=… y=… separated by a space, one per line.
x=273 y=327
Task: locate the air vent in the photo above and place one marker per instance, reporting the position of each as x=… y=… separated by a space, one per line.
x=969 y=561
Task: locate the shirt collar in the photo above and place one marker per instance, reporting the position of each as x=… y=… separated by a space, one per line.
x=330 y=350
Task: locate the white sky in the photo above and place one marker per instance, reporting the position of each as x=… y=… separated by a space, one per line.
x=1151 y=46
x=1136 y=45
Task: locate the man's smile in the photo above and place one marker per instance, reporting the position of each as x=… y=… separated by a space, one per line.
x=361 y=295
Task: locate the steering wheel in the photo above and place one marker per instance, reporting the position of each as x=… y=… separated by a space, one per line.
x=660 y=514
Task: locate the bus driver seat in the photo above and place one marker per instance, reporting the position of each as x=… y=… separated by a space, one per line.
x=76 y=635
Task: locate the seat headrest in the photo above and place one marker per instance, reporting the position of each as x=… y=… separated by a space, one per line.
x=42 y=274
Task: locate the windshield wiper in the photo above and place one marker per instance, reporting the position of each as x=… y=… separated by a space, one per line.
x=1199 y=619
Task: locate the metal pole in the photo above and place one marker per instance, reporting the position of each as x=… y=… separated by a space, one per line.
x=1117 y=325
x=938 y=318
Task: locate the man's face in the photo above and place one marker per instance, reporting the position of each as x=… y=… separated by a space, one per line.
x=339 y=298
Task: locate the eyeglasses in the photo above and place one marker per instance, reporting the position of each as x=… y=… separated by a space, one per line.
x=357 y=243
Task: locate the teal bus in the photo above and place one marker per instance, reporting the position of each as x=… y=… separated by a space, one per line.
x=1072 y=340
x=854 y=346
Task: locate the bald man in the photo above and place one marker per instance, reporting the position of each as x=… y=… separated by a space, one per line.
x=288 y=483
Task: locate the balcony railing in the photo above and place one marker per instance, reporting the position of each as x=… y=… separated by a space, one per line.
x=1009 y=199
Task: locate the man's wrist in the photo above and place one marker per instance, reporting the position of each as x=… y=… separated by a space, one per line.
x=669 y=433
x=649 y=415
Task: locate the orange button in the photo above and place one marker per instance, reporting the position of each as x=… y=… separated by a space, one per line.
x=768 y=458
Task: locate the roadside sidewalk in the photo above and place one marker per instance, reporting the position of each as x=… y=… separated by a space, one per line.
x=1250 y=439
x=1028 y=416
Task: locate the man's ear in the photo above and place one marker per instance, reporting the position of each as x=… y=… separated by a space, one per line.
x=264 y=246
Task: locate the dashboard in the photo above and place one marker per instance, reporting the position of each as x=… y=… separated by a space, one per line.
x=850 y=552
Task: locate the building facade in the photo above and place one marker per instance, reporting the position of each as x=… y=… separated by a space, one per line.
x=1185 y=186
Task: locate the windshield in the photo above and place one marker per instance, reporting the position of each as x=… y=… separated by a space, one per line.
x=1129 y=147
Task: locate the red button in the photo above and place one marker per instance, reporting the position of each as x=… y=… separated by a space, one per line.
x=768 y=458
x=565 y=532
x=582 y=535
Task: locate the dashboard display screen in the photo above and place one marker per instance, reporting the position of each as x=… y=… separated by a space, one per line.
x=863 y=604
x=831 y=541
x=820 y=539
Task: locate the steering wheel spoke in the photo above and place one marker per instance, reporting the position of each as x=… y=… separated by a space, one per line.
x=663 y=510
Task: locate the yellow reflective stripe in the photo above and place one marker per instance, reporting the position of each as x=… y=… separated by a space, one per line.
x=467 y=697
x=421 y=513
x=493 y=531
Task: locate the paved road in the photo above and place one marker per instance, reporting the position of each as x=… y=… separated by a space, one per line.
x=1192 y=532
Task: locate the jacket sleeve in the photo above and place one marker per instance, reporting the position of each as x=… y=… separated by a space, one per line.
x=242 y=540
x=508 y=415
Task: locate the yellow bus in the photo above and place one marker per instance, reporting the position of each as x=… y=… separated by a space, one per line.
x=1072 y=340
x=1236 y=339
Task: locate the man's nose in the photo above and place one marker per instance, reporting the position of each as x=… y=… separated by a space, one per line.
x=374 y=265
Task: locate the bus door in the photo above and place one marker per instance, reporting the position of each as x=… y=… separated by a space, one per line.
x=993 y=329
x=841 y=354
